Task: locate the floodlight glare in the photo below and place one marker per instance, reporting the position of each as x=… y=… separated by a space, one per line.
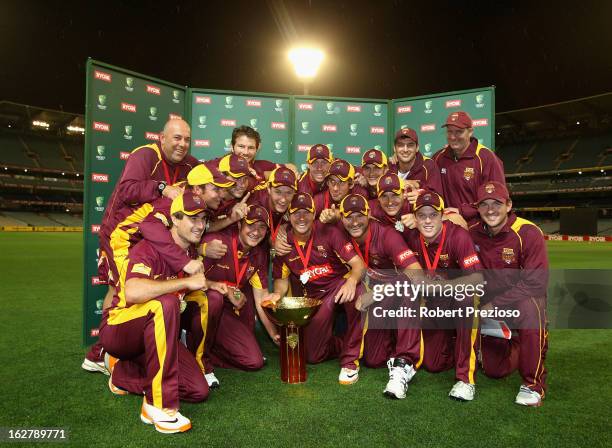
x=306 y=61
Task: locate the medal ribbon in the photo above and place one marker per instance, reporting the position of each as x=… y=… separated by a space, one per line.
x=273 y=230
x=432 y=268
x=167 y=173
x=326 y=199
x=305 y=259
x=237 y=268
x=366 y=258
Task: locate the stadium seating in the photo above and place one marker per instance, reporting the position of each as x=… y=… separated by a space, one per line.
x=13 y=152
x=48 y=152
x=10 y=221
x=65 y=219
x=32 y=219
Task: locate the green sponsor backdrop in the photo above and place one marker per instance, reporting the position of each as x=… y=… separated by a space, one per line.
x=214 y=114
x=348 y=126
x=427 y=114
x=123 y=110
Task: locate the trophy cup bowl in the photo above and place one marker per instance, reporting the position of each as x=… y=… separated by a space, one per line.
x=291 y=314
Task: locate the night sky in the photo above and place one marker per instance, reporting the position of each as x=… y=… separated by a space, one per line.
x=535 y=54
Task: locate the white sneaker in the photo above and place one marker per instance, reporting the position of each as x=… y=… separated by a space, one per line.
x=528 y=397
x=462 y=391
x=166 y=421
x=348 y=376
x=212 y=380
x=92 y=366
x=400 y=374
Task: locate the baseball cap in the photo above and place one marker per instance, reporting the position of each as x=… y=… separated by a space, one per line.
x=235 y=166
x=389 y=182
x=492 y=190
x=187 y=203
x=257 y=213
x=375 y=157
x=283 y=176
x=354 y=203
x=302 y=201
x=342 y=169
x=201 y=175
x=319 y=152
x=459 y=119
x=407 y=133
x=431 y=199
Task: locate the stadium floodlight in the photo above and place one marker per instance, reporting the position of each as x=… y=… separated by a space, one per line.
x=40 y=124
x=306 y=62
x=579 y=172
x=76 y=129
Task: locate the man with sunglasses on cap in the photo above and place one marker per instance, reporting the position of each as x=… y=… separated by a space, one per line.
x=150 y=172
x=340 y=183
x=386 y=257
x=221 y=331
x=513 y=251
x=141 y=327
x=465 y=164
x=329 y=269
x=446 y=251
x=410 y=165
x=319 y=159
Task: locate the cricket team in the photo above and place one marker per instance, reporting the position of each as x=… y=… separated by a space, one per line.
x=186 y=248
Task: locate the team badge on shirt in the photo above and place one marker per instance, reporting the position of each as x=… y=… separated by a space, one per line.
x=468 y=173
x=443 y=260
x=508 y=255
x=322 y=251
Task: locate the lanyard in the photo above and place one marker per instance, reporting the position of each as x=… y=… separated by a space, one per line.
x=167 y=173
x=365 y=258
x=326 y=199
x=239 y=271
x=305 y=259
x=274 y=230
x=433 y=267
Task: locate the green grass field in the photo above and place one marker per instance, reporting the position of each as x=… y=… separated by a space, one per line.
x=42 y=383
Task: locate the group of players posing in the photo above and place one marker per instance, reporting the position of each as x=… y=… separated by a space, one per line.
x=186 y=247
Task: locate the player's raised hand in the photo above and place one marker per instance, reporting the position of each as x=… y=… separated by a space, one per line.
x=281 y=246
x=245 y=198
x=329 y=215
x=172 y=191
x=193 y=267
x=195 y=282
x=408 y=221
x=239 y=210
x=361 y=180
x=215 y=249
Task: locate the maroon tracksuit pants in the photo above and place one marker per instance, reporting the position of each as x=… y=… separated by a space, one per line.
x=451 y=342
x=526 y=351
x=146 y=337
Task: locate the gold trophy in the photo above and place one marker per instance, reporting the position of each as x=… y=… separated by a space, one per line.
x=292 y=314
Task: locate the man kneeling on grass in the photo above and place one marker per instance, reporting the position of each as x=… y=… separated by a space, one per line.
x=141 y=328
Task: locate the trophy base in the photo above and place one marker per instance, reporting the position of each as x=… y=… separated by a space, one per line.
x=293 y=354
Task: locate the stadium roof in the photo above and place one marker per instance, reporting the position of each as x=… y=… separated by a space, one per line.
x=21 y=116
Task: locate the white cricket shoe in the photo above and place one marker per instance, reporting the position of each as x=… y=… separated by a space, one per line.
x=348 y=376
x=166 y=421
x=212 y=380
x=109 y=363
x=92 y=366
x=462 y=391
x=528 y=397
x=400 y=374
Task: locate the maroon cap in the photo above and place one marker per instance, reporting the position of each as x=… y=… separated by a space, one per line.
x=407 y=133
x=431 y=199
x=257 y=213
x=342 y=169
x=375 y=157
x=354 y=203
x=389 y=182
x=283 y=176
x=235 y=166
x=459 y=119
x=302 y=201
x=492 y=190
x=187 y=203
x=319 y=152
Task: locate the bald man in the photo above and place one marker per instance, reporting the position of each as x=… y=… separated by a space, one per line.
x=149 y=173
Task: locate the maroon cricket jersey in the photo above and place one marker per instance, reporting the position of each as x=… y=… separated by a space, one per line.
x=387 y=252
x=458 y=252
x=253 y=263
x=307 y=185
x=138 y=184
x=376 y=211
x=462 y=177
x=261 y=166
x=425 y=170
x=515 y=258
x=330 y=250
x=145 y=260
x=261 y=196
